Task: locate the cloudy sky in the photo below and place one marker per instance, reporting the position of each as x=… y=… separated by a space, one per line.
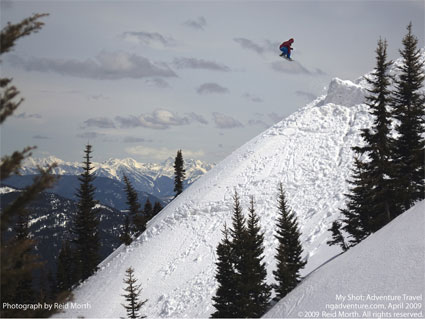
x=143 y=79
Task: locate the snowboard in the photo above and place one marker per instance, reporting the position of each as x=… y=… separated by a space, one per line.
x=286 y=58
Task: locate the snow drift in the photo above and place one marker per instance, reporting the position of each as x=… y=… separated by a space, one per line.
x=174 y=260
x=382 y=277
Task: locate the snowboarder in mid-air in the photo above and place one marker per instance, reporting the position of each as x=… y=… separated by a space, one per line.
x=285 y=47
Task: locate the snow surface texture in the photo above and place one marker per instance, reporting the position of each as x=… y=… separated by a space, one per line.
x=389 y=263
x=174 y=260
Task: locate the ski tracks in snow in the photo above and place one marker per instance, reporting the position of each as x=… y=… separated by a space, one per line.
x=309 y=152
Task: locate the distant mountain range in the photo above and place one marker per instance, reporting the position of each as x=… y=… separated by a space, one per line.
x=108 y=191
x=151 y=178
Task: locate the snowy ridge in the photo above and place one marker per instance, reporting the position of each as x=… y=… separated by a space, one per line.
x=387 y=263
x=309 y=152
x=152 y=178
x=113 y=167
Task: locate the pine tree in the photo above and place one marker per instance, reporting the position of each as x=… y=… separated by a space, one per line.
x=135 y=209
x=409 y=110
x=9 y=35
x=255 y=278
x=356 y=216
x=125 y=236
x=148 y=209
x=179 y=173
x=370 y=202
x=85 y=227
x=239 y=238
x=289 y=251
x=379 y=168
x=65 y=272
x=15 y=263
x=337 y=237
x=224 y=299
x=132 y=295
x=241 y=274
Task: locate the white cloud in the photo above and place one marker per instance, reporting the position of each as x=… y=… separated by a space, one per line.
x=260 y=48
x=149 y=38
x=159 y=119
x=105 y=66
x=208 y=88
x=225 y=121
x=294 y=67
x=199 y=64
x=198 y=23
x=99 y=122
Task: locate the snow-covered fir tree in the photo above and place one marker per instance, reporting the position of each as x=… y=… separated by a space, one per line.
x=86 y=222
x=135 y=209
x=224 y=299
x=241 y=274
x=179 y=173
x=255 y=278
x=132 y=296
x=337 y=236
x=409 y=111
x=289 y=250
x=370 y=201
x=125 y=236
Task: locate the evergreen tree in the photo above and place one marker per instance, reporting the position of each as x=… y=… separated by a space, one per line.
x=156 y=208
x=239 y=239
x=179 y=173
x=135 y=209
x=258 y=289
x=241 y=274
x=356 y=216
x=148 y=209
x=125 y=236
x=16 y=263
x=65 y=272
x=370 y=202
x=289 y=251
x=337 y=237
x=224 y=299
x=132 y=295
x=379 y=168
x=409 y=110
x=85 y=227
x=9 y=35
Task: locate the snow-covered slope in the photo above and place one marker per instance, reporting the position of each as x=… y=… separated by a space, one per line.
x=388 y=265
x=309 y=152
x=153 y=178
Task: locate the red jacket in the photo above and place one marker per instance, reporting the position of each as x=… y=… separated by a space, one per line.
x=287 y=44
